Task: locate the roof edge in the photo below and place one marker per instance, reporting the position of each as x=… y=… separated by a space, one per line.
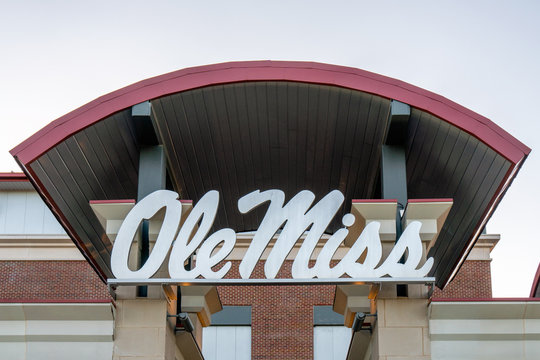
x=13 y=177
x=308 y=72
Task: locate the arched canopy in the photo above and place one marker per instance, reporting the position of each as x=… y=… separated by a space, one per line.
x=242 y=126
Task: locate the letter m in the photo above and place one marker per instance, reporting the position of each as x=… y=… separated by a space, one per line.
x=295 y=219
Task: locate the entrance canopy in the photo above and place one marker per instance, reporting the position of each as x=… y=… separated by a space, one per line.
x=238 y=127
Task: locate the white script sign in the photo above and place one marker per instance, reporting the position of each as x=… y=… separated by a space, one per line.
x=294 y=218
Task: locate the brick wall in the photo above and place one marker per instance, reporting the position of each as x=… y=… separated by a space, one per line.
x=282 y=316
x=49 y=281
x=473 y=281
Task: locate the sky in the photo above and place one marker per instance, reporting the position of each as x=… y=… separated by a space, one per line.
x=485 y=55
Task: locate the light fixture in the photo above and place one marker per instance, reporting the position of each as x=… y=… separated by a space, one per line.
x=359 y=322
x=185 y=321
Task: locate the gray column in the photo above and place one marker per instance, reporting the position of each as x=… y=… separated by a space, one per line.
x=394 y=167
x=152 y=174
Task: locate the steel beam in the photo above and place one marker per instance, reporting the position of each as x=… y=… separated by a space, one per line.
x=270 y=282
x=152 y=173
x=394 y=167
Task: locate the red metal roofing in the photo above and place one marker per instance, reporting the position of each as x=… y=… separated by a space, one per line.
x=13 y=177
x=308 y=72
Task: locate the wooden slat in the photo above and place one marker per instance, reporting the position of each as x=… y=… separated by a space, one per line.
x=302 y=134
x=376 y=148
x=292 y=137
x=239 y=132
x=264 y=135
x=319 y=121
x=311 y=137
x=463 y=143
x=471 y=180
x=206 y=150
x=98 y=173
x=283 y=140
x=80 y=170
x=437 y=173
x=109 y=151
x=90 y=244
x=62 y=179
x=273 y=135
x=177 y=120
x=182 y=178
x=425 y=151
x=474 y=213
x=218 y=130
x=358 y=149
x=115 y=134
x=429 y=180
x=333 y=143
x=342 y=122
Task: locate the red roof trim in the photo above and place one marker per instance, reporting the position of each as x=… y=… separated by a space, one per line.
x=308 y=72
x=536 y=282
x=128 y=201
x=485 y=299
x=57 y=301
x=125 y=201
x=368 y=201
x=430 y=200
x=13 y=177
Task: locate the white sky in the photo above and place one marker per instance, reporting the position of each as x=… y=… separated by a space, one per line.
x=58 y=55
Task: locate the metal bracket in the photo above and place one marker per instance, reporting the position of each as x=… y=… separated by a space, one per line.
x=358 y=323
x=274 y=282
x=184 y=319
x=111 y=288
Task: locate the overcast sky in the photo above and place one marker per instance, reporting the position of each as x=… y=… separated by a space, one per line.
x=58 y=55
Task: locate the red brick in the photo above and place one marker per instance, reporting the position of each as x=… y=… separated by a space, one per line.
x=473 y=281
x=282 y=316
x=49 y=281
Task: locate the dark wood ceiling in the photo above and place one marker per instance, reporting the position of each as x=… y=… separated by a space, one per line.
x=240 y=137
x=446 y=162
x=99 y=162
x=271 y=135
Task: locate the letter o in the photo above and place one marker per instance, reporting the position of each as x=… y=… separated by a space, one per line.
x=145 y=209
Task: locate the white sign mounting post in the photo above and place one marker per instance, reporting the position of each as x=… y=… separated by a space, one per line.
x=294 y=218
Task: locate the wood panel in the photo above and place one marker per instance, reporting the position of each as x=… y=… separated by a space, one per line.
x=98 y=163
x=445 y=162
x=242 y=137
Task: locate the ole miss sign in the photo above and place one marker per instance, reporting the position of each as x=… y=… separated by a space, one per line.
x=294 y=218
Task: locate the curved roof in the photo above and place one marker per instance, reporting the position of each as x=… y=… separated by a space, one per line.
x=237 y=127
x=307 y=72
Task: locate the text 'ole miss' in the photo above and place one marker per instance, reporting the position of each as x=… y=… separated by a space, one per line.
x=295 y=218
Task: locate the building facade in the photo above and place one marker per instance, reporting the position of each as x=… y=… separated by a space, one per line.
x=264 y=273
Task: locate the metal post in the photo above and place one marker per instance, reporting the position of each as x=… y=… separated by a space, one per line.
x=152 y=175
x=393 y=161
x=394 y=167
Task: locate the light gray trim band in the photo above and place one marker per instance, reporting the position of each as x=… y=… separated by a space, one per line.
x=232 y=316
x=325 y=315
